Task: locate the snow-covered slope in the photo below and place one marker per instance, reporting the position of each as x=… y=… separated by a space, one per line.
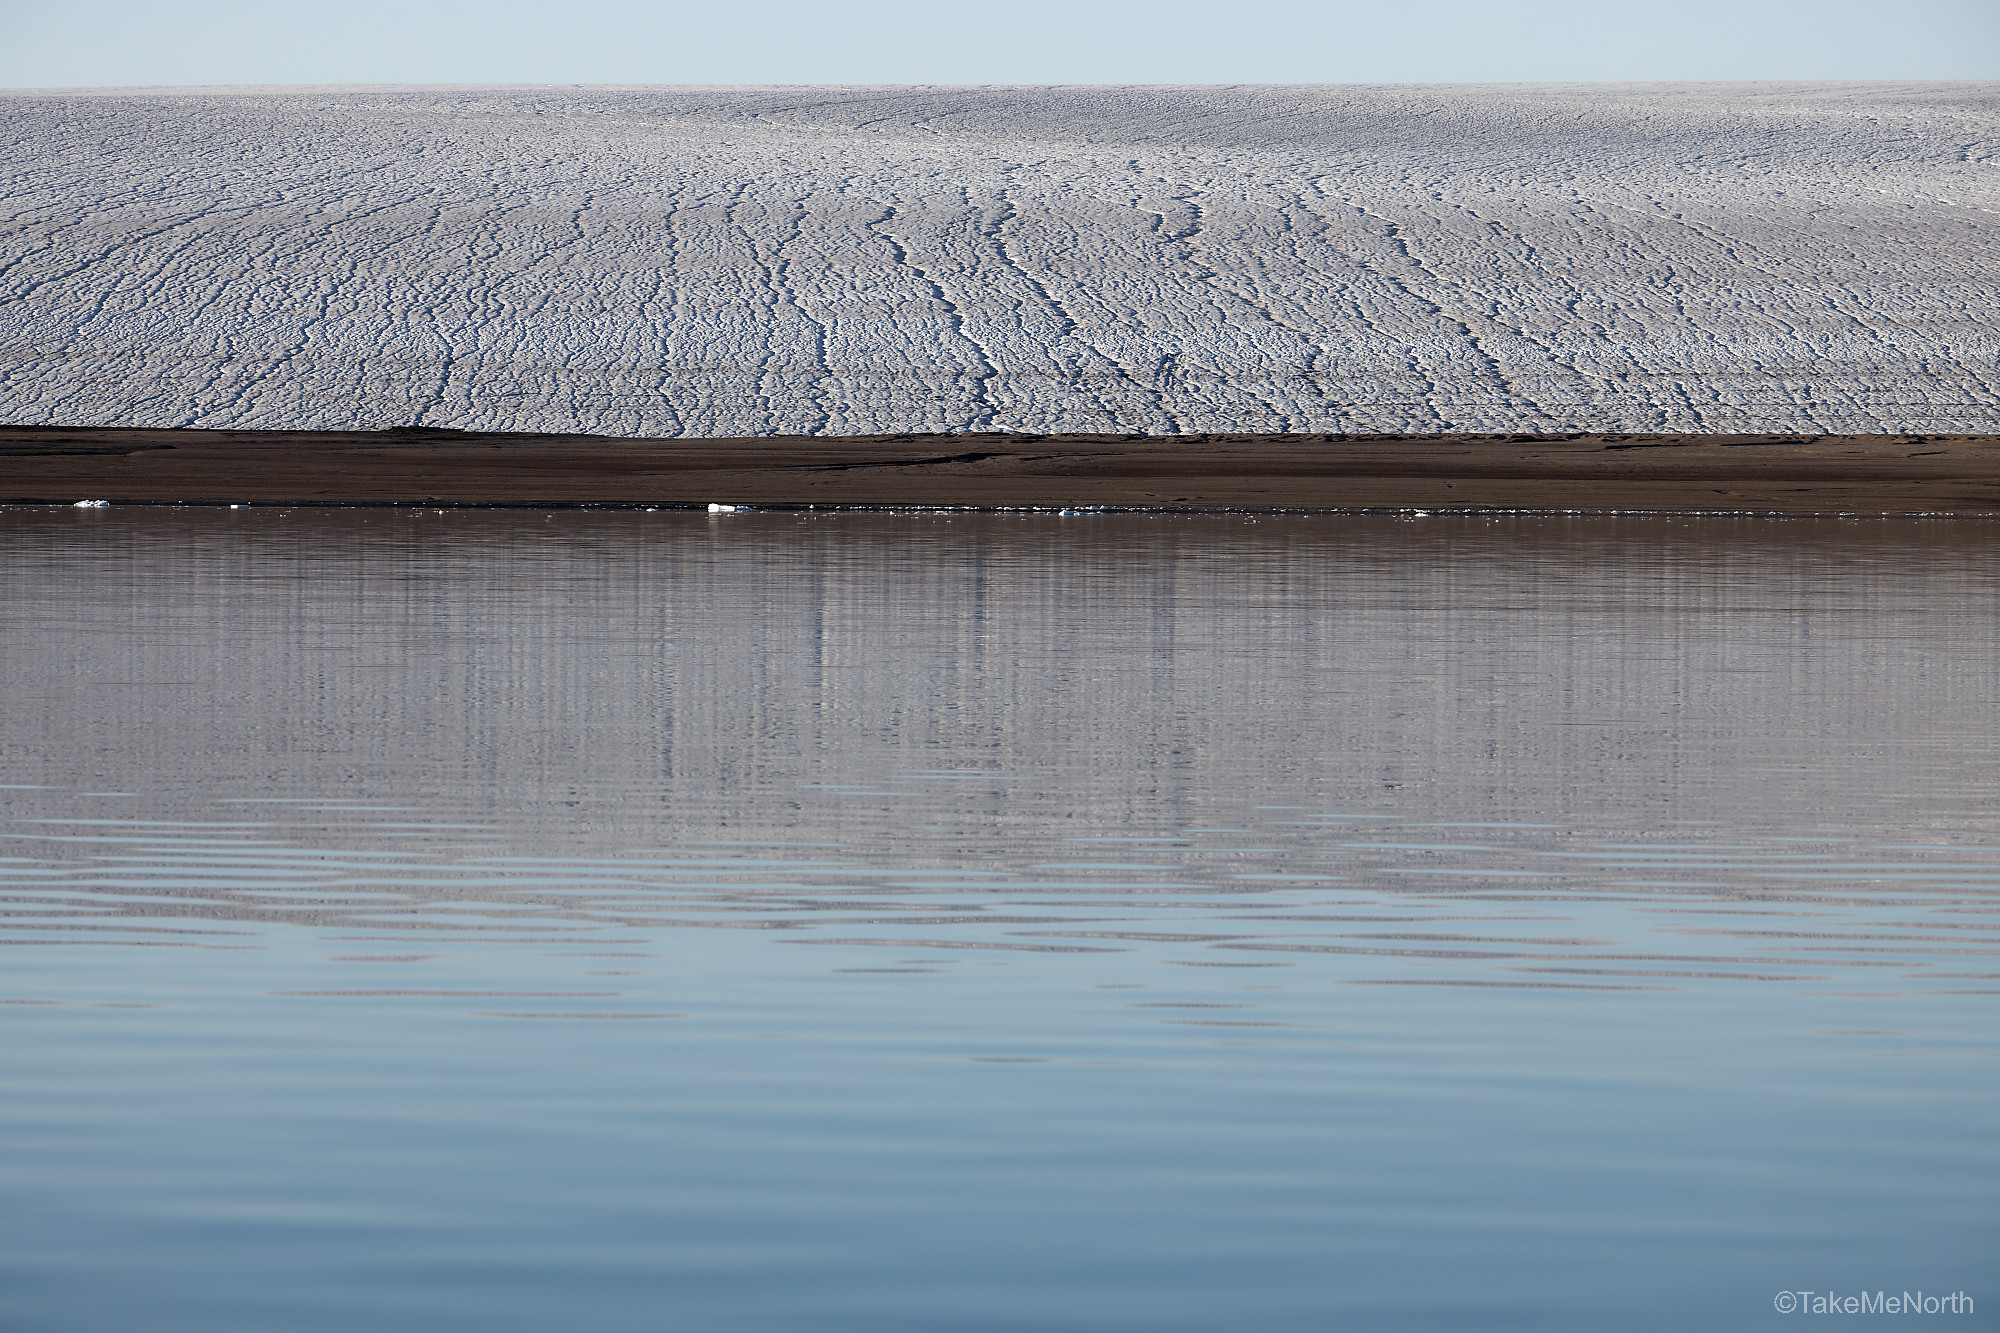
x=704 y=262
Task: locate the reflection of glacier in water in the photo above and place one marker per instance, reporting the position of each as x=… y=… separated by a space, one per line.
x=858 y=922
x=840 y=261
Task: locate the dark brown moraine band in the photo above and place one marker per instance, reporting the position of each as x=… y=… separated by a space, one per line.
x=1938 y=474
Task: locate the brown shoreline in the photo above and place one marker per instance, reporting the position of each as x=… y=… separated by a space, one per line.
x=1935 y=474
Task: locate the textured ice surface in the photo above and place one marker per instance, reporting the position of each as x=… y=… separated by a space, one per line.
x=645 y=261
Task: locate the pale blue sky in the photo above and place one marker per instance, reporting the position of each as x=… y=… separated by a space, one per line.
x=70 y=43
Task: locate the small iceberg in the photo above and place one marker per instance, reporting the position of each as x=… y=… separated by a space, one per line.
x=91 y=504
x=721 y=509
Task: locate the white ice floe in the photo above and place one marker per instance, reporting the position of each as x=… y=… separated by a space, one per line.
x=738 y=262
x=721 y=509
x=91 y=504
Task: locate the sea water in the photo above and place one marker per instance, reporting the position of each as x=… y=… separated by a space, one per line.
x=614 y=920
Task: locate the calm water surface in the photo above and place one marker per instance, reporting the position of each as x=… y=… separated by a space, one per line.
x=509 y=921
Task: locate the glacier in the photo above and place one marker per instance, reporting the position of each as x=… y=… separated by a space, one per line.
x=730 y=262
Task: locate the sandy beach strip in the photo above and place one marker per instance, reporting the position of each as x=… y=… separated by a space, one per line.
x=1951 y=474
